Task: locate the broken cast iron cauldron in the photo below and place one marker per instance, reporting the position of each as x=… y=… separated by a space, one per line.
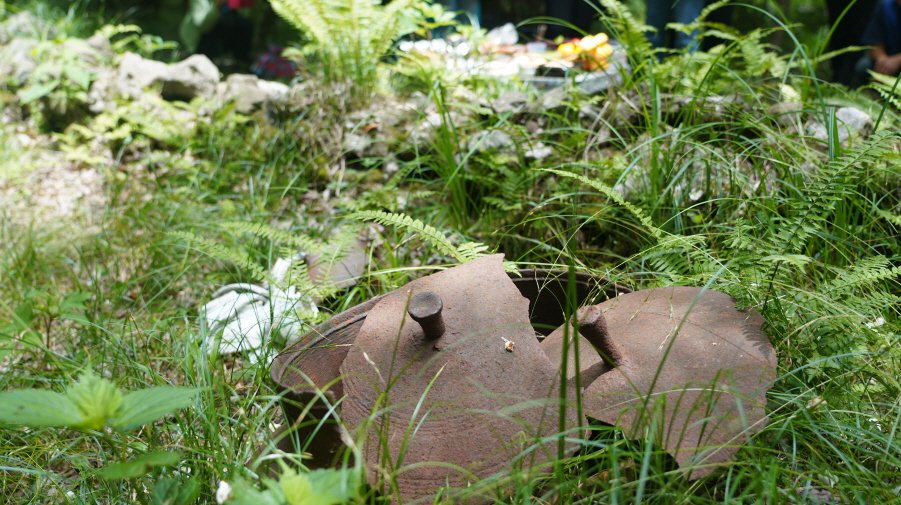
x=445 y=381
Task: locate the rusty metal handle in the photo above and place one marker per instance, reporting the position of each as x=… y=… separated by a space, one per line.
x=425 y=309
x=593 y=326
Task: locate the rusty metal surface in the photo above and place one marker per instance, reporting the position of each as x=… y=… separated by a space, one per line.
x=314 y=360
x=591 y=366
x=472 y=403
x=703 y=364
x=710 y=357
x=319 y=353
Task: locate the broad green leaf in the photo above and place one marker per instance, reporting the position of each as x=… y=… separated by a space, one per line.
x=38 y=408
x=319 y=487
x=243 y=493
x=97 y=398
x=297 y=488
x=147 y=405
x=175 y=492
x=72 y=307
x=139 y=466
x=36 y=92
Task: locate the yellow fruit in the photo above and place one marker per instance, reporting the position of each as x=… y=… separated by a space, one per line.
x=603 y=51
x=588 y=43
x=567 y=50
x=592 y=41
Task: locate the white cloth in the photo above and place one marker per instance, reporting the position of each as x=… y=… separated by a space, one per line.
x=247 y=314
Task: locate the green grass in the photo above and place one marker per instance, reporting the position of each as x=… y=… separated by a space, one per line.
x=804 y=231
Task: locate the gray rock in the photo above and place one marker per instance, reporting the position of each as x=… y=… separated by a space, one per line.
x=789 y=114
x=193 y=77
x=23 y=25
x=598 y=82
x=502 y=35
x=852 y=123
x=250 y=93
x=103 y=91
x=343 y=273
x=17 y=60
x=190 y=78
x=555 y=99
x=101 y=45
x=356 y=143
x=539 y=151
x=511 y=102
x=491 y=140
x=136 y=73
x=855 y=119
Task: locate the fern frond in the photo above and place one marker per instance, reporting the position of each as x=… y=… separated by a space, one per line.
x=832 y=184
x=616 y=197
x=427 y=233
x=274 y=235
x=865 y=273
x=308 y=16
x=891 y=217
x=627 y=30
x=222 y=253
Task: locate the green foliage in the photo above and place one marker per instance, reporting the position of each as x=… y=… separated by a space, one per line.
x=40 y=311
x=175 y=492
x=139 y=466
x=147 y=405
x=37 y=408
x=627 y=30
x=317 y=487
x=722 y=189
x=92 y=403
x=348 y=38
x=286 y=243
x=130 y=37
x=151 y=121
x=464 y=252
x=56 y=90
x=616 y=197
x=221 y=252
x=745 y=57
x=888 y=88
x=96 y=398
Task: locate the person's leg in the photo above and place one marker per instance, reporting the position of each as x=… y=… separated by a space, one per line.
x=849 y=23
x=686 y=11
x=658 y=15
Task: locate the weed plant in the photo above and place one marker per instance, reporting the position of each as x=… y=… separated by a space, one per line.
x=693 y=172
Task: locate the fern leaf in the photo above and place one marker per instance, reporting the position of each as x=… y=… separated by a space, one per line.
x=616 y=197
x=428 y=234
x=832 y=184
x=221 y=253
x=274 y=235
x=308 y=16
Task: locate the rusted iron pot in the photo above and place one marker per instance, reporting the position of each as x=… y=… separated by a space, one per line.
x=682 y=361
x=311 y=366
